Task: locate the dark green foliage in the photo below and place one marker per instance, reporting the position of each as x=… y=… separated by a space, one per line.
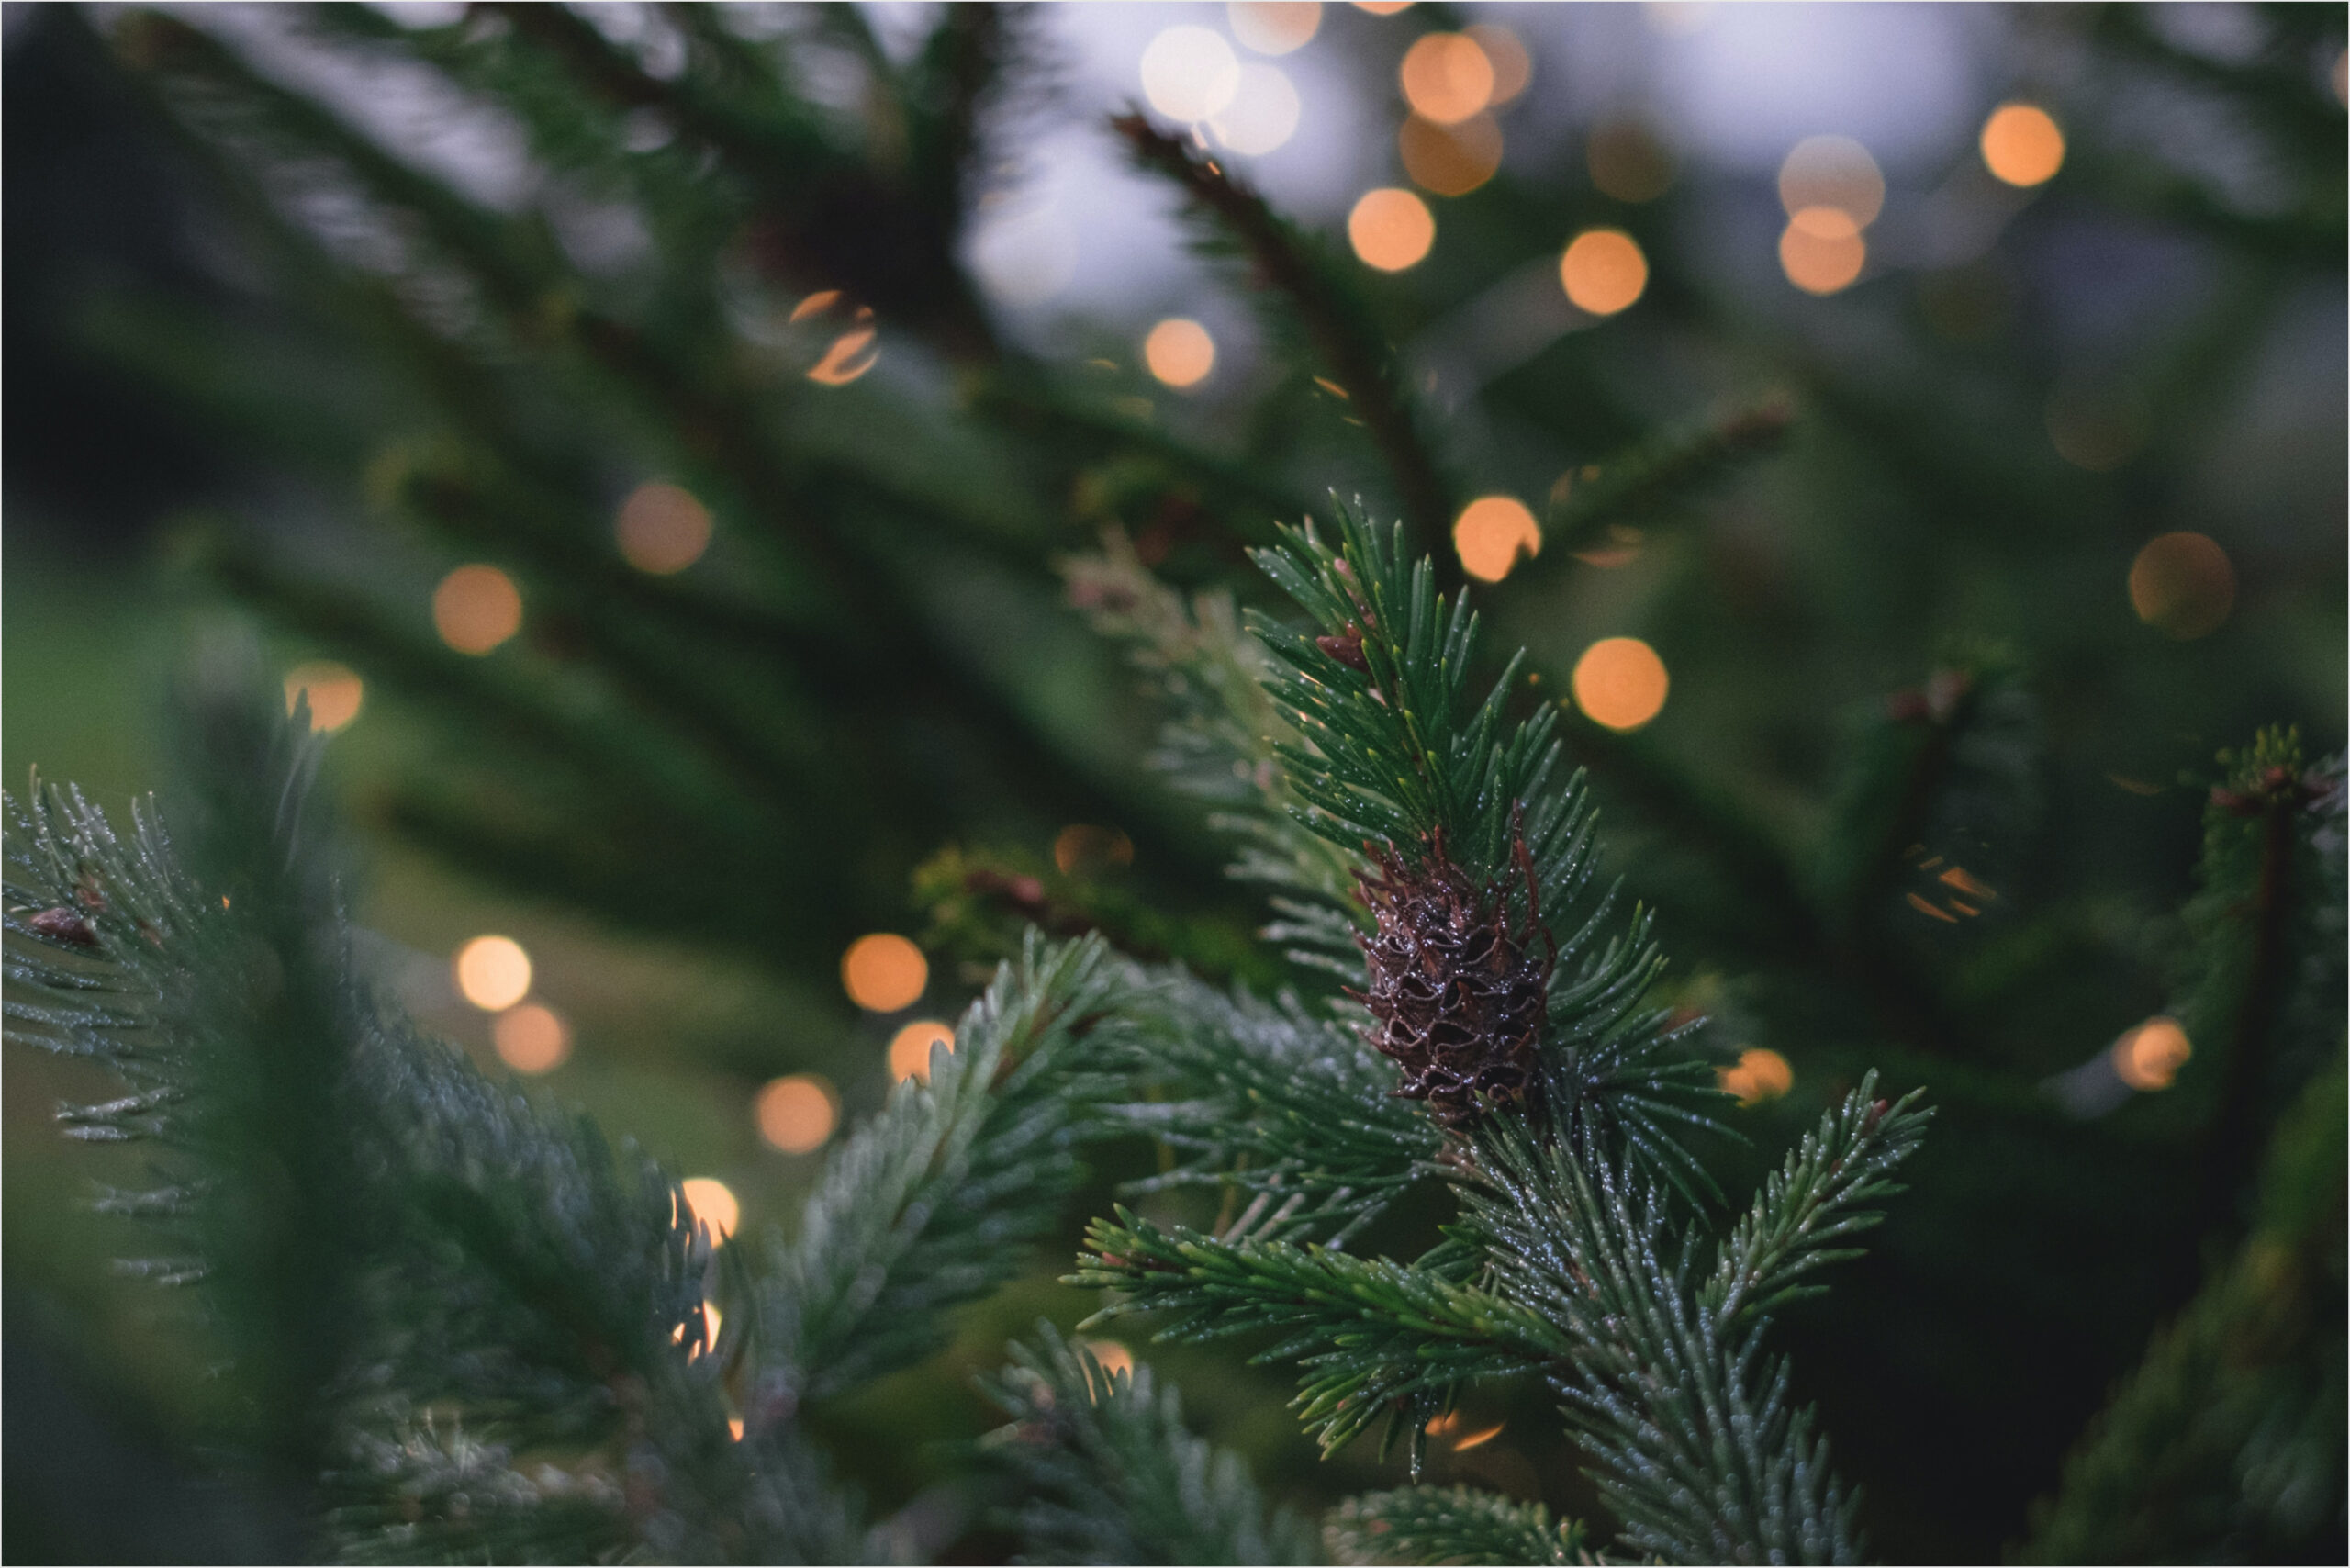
x=1454 y=1524
x=2227 y=1444
x=1112 y=1474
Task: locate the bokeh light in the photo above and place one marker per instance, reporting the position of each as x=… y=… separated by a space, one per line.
x=1513 y=67
x=1446 y=77
x=1628 y=161
x=1382 y=7
x=712 y=1202
x=662 y=529
x=1112 y=1356
x=1180 y=352
x=884 y=972
x=2148 y=1058
x=1490 y=532
x=1620 y=683
x=1263 y=114
x=1833 y=171
x=1391 y=228
x=1759 y=1075
x=476 y=608
x=1821 y=249
x=1083 y=847
x=1604 y=270
x=335 y=692
x=492 y=973
x=2022 y=145
x=1273 y=26
x=852 y=353
x=1190 y=73
x=531 y=1038
x=910 y=1048
x=1449 y=160
x=797 y=1113
x=2183 y=585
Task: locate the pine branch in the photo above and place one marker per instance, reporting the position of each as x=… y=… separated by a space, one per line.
x=1455 y=1525
x=386 y=1240
x=2228 y=1440
x=1661 y=470
x=1112 y=1475
x=934 y=1202
x=1338 y=324
x=1373 y=1338
x=1684 y=1418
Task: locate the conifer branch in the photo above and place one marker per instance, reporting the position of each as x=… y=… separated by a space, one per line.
x=933 y=1202
x=1452 y=1524
x=1373 y=1338
x=1112 y=1475
x=1659 y=471
x=1337 y=322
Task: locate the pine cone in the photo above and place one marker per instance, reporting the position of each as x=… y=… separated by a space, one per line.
x=1458 y=995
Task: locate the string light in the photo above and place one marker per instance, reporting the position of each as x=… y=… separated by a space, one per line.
x=2022 y=145
x=1190 y=73
x=1490 y=532
x=492 y=973
x=1759 y=1075
x=1180 y=352
x=476 y=608
x=1391 y=229
x=662 y=529
x=2183 y=585
x=2148 y=1058
x=884 y=972
x=1451 y=159
x=712 y=1202
x=1620 y=683
x=335 y=693
x=531 y=1039
x=910 y=1048
x=797 y=1113
x=1273 y=26
x=1446 y=77
x=1263 y=114
x=1604 y=270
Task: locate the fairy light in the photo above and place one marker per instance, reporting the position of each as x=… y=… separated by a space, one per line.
x=797 y=1113
x=1449 y=160
x=1180 y=352
x=1263 y=114
x=477 y=608
x=1446 y=77
x=1490 y=532
x=1620 y=683
x=2148 y=1058
x=2022 y=145
x=713 y=1203
x=883 y=972
x=531 y=1038
x=1391 y=229
x=2183 y=585
x=492 y=973
x=910 y=1048
x=1190 y=73
x=335 y=693
x=662 y=529
x=1273 y=26
x=1604 y=270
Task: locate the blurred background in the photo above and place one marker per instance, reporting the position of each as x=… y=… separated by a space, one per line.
x=662 y=442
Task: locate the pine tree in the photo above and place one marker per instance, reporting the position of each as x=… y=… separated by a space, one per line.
x=1915 y=821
